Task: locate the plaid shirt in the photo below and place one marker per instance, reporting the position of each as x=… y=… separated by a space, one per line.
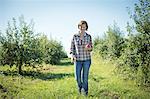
x=78 y=47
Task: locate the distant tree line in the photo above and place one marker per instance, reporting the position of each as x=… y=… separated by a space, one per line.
x=132 y=52
x=20 y=46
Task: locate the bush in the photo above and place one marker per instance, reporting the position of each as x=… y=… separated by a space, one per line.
x=52 y=50
x=136 y=55
x=20 y=46
x=111 y=45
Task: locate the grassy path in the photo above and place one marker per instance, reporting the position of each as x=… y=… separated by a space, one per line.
x=57 y=82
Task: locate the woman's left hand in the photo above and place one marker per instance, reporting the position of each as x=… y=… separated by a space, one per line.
x=88 y=47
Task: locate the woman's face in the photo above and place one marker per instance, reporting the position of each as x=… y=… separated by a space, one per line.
x=82 y=28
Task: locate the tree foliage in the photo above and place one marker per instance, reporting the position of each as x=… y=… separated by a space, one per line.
x=132 y=52
x=110 y=46
x=52 y=50
x=20 y=46
x=137 y=52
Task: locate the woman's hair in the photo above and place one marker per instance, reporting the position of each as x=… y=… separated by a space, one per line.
x=83 y=22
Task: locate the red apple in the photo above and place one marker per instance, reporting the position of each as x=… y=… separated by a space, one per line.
x=88 y=46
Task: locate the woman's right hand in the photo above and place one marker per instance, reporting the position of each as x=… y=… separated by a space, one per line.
x=73 y=59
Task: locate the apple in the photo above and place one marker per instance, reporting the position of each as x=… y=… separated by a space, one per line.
x=88 y=46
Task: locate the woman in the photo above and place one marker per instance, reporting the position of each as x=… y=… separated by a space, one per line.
x=81 y=47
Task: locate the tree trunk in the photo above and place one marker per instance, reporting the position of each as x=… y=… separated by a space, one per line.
x=19 y=67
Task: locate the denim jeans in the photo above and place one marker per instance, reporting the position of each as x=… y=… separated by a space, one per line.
x=81 y=74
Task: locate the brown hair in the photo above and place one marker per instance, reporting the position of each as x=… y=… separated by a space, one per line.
x=83 y=22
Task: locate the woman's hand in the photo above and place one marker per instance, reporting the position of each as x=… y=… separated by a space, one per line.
x=88 y=47
x=73 y=58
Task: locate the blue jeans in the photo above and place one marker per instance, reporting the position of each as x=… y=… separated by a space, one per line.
x=82 y=71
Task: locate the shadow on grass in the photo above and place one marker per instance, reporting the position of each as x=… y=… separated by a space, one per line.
x=96 y=78
x=106 y=94
x=38 y=75
x=65 y=62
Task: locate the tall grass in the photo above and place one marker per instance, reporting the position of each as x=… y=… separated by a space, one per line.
x=57 y=82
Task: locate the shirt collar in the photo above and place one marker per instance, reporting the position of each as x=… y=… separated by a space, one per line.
x=79 y=33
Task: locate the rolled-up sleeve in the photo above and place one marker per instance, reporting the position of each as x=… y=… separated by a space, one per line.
x=91 y=43
x=72 y=49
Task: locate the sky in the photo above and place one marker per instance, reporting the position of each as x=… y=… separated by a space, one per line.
x=59 y=18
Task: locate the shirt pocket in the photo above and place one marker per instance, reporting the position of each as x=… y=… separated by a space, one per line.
x=77 y=41
x=86 y=40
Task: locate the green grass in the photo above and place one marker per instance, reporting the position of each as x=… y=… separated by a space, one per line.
x=57 y=82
